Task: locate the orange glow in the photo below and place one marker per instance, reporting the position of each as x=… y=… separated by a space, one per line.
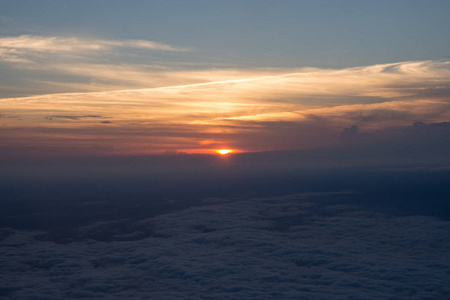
x=224 y=151
x=198 y=118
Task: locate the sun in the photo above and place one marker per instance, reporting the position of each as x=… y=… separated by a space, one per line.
x=224 y=151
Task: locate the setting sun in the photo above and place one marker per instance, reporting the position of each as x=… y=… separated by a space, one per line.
x=224 y=151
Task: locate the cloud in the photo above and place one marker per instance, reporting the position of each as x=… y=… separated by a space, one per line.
x=426 y=142
x=55 y=64
x=292 y=247
x=141 y=44
x=51 y=63
x=71 y=117
x=251 y=110
x=8 y=116
x=349 y=133
x=36 y=50
x=19 y=45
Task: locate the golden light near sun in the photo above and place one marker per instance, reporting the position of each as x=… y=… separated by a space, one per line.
x=224 y=151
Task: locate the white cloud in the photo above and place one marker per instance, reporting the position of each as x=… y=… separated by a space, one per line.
x=56 y=44
x=141 y=44
x=19 y=49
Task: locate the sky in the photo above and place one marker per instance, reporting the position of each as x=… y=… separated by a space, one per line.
x=336 y=114
x=106 y=78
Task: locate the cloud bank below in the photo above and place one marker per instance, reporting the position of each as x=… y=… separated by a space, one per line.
x=294 y=247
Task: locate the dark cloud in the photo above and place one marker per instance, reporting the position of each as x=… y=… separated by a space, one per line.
x=281 y=135
x=9 y=116
x=350 y=133
x=378 y=115
x=420 y=139
x=174 y=152
x=72 y=117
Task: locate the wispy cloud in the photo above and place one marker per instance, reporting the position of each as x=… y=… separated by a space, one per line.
x=248 y=110
x=61 y=44
x=49 y=64
x=19 y=49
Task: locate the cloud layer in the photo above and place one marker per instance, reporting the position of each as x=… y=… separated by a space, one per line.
x=293 y=247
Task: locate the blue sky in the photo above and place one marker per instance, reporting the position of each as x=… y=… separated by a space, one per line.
x=252 y=33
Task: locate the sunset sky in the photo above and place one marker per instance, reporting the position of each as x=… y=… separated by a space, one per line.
x=224 y=149
x=105 y=78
